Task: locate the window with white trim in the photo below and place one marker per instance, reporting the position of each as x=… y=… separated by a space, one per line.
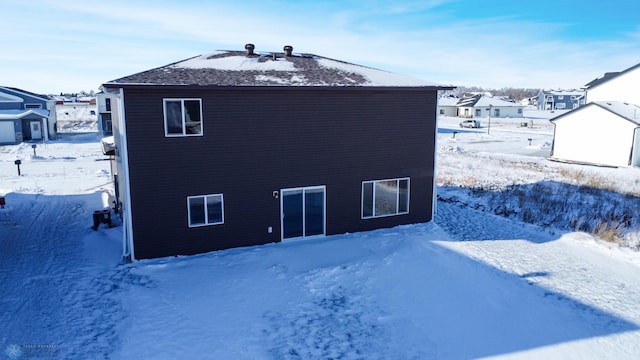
x=183 y=117
x=205 y=210
x=385 y=197
x=33 y=106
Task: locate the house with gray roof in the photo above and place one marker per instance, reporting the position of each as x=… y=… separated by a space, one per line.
x=242 y=148
x=25 y=116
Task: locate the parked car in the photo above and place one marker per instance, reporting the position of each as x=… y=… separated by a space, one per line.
x=470 y=124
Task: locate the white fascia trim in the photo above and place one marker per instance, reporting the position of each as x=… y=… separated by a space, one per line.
x=9 y=97
x=127 y=234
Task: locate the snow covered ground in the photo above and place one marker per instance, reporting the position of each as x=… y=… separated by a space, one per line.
x=73 y=117
x=471 y=284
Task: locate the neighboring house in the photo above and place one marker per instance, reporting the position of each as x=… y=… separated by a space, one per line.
x=237 y=148
x=601 y=133
x=448 y=106
x=25 y=116
x=560 y=99
x=479 y=106
x=104 y=113
x=620 y=86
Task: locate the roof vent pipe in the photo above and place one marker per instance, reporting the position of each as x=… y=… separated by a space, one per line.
x=249 y=48
x=288 y=49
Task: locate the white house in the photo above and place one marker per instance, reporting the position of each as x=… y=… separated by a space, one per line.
x=600 y=133
x=483 y=106
x=620 y=86
x=448 y=106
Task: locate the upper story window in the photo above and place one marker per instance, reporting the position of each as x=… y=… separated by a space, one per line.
x=33 y=106
x=385 y=197
x=107 y=104
x=560 y=97
x=183 y=117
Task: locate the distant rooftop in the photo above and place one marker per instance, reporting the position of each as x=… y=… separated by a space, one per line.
x=249 y=68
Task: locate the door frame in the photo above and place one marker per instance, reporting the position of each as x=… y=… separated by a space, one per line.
x=324 y=211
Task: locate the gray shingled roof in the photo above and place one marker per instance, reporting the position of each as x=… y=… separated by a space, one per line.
x=236 y=68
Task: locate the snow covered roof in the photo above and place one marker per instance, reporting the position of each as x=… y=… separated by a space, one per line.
x=564 y=92
x=628 y=111
x=5 y=97
x=238 y=68
x=448 y=101
x=625 y=110
x=19 y=114
x=485 y=101
x=14 y=90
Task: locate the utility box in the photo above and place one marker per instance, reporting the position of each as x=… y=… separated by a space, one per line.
x=101 y=217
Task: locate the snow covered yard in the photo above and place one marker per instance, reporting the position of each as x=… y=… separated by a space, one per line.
x=471 y=284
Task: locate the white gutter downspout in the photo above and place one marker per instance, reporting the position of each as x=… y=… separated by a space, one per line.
x=127 y=233
x=434 y=203
x=45 y=123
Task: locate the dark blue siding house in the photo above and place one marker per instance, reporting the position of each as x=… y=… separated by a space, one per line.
x=235 y=148
x=25 y=116
x=560 y=99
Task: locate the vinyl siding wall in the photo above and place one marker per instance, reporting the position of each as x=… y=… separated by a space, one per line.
x=593 y=135
x=257 y=141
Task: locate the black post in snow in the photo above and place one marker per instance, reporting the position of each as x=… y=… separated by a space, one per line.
x=18 y=162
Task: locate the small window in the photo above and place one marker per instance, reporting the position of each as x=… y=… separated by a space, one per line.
x=183 y=117
x=478 y=112
x=560 y=105
x=107 y=104
x=441 y=111
x=560 y=97
x=33 y=106
x=519 y=111
x=385 y=198
x=205 y=210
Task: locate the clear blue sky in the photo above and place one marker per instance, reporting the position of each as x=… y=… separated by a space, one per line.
x=69 y=46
